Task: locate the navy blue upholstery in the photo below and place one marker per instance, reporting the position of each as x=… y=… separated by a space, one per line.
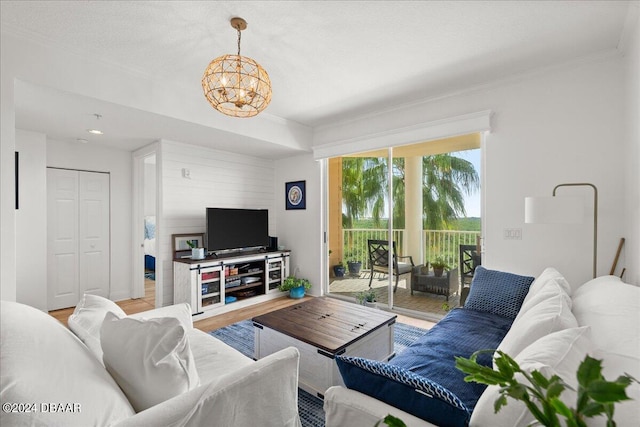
x=404 y=390
x=423 y=380
x=497 y=292
x=459 y=333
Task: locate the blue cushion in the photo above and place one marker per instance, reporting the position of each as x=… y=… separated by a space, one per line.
x=404 y=390
x=460 y=333
x=497 y=292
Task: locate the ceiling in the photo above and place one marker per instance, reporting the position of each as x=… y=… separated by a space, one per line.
x=327 y=60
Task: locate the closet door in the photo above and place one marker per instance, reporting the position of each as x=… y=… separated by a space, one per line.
x=77 y=236
x=93 y=238
x=62 y=238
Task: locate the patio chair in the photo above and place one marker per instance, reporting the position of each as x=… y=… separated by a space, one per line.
x=469 y=260
x=379 y=260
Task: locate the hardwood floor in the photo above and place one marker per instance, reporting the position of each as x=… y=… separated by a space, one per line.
x=138 y=305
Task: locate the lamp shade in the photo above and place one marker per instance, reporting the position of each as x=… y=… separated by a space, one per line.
x=553 y=210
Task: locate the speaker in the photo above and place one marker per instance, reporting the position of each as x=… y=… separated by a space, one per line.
x=273 y=243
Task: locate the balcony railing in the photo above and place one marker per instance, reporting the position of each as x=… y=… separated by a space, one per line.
x=437 y=243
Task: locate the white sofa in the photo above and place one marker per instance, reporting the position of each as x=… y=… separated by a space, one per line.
x=555 y=328
x=53 y=377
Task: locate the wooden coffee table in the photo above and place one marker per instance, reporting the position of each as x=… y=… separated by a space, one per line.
x=320 y=329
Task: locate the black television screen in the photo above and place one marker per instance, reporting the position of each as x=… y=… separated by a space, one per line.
x=229 y=229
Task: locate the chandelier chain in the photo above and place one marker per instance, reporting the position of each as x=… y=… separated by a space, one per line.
x=239 y=35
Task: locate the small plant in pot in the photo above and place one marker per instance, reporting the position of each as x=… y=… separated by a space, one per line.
x=439 y=265
x=354 y=265
x=367 y=298
x=196 y=252
x=296 y=286
x=339 y=269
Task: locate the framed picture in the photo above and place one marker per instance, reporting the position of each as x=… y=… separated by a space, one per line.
x=295 y=195
x=181 y=248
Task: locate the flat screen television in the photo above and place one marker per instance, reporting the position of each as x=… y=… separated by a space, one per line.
x=234 y=229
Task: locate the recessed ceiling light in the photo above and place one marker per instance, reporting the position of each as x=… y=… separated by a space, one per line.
x=82 y=140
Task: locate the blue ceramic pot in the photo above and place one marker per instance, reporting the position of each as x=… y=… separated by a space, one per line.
x=296 y=292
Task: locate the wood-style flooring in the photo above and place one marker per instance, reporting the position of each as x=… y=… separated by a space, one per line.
x=138 y=305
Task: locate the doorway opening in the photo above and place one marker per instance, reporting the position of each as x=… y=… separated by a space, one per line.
x=424 y=199
x=147 y=265
x=149 y=233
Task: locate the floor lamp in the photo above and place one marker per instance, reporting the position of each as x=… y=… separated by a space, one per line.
x=563 y=210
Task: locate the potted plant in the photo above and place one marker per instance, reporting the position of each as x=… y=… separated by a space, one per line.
x=542 y=395
x=296 y=287
x=354 y=265
x=339 y=269
x=196 y=253
x=439 y=266
x=367 y=298
x=424 y=269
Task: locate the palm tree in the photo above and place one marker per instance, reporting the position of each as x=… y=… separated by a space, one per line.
x=446 y=178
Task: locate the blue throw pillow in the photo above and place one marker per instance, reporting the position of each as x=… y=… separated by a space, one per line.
x=404 y=390
x=497 y=292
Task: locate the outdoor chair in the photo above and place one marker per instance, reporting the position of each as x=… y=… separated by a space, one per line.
x=379 y=261
x=469 y=260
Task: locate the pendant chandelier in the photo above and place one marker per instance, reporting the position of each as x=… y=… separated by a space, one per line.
x=237 y=85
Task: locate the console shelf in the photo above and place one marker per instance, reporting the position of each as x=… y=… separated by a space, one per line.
x=205 y=284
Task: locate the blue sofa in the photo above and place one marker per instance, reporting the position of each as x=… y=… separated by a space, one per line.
x=423 y=380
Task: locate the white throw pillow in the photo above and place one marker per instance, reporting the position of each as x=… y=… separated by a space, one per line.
x=612 y=309
x=550 y=315
x=559 y=354
x=548 y=275
x=150 y=359
x=549 y=289
x=87 y=318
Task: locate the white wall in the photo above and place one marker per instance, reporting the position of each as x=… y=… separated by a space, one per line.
x=31 y=220
x=632 y=149
x=560 y=125
x=118 y=163
x=36 y=60
x=300 y=230
x=217 y=179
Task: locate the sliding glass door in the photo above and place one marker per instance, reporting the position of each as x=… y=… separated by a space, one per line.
x=414 y=197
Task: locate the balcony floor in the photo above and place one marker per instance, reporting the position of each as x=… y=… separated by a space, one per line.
x=422 y=303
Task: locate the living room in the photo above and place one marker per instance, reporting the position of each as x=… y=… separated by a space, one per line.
x=571 y=118
x=561 y=123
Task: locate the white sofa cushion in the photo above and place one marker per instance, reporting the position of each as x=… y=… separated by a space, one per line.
x=263 y=393
x=214 y=358
x=559 y=353
x=612 y=309
x=43 y=362
x=88 y=316
x=150 y=359
x=87 y=319
x=549 y=315
x=542 y=288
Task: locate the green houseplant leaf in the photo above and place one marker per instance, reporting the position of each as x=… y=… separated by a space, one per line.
x=542 y=395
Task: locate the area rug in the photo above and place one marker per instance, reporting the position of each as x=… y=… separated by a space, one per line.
x=240 y=336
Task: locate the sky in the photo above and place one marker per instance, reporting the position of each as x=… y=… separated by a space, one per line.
x=472 y=202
